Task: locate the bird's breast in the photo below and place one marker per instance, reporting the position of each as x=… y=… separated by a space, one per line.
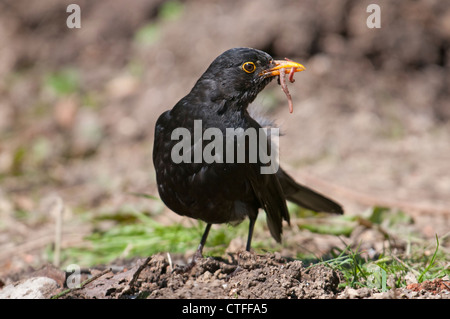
x=200 y=172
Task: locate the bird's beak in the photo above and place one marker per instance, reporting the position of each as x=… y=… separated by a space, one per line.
x=288 y=65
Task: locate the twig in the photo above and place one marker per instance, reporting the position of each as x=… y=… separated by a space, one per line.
x=38 y=242
x=138 y=272
x=57 y=213
x=169 y=258
x=416 y=273
x=82 y=285
x=443 y=282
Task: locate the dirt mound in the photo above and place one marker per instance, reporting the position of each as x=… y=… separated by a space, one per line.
x=249 y=276
x=244 y=276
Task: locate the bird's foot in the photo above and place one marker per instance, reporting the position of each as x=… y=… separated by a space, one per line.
x=187 y=268
x=242 y=257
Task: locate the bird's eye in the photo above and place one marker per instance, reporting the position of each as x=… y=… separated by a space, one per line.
x=249 y=67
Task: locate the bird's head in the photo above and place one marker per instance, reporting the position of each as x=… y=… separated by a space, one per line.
x=239 y=74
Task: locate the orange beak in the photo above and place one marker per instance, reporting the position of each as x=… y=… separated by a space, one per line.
x=288 y=65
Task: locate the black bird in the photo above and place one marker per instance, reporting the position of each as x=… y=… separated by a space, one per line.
x=223 y=191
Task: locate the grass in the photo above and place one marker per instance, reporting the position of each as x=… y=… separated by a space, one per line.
x=138 y=234
x=417 y=261
x=63 y=82
x=390 y=270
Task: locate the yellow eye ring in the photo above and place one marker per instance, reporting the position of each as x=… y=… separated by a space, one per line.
x=249 y=67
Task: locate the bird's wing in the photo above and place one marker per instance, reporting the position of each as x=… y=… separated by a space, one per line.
x=268 y=191
x=295 y=192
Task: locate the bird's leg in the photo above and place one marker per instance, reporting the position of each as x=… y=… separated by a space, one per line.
x=198 y=254
x=250 y=233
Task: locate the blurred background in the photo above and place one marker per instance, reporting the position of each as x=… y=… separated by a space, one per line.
x=370 y=128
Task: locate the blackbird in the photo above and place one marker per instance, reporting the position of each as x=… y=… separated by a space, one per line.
x=222 y=191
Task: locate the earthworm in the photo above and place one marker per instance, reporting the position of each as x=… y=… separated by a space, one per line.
x=285 y=88
x=291 y=75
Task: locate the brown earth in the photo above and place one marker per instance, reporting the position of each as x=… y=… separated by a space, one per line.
x=371 y=127
x=244 y=276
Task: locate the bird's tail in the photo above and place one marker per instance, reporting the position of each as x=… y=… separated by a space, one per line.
x=306 y=197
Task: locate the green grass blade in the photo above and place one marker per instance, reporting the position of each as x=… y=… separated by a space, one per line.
x=433 y=259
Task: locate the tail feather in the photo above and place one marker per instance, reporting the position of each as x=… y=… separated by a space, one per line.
x=306 y=197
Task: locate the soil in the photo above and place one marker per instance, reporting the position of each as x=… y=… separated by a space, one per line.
x=371 y=127
x=243 y=276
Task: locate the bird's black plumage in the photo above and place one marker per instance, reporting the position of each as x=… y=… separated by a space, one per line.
x=226 y=192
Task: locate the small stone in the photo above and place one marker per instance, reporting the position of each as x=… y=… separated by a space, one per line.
x=32 y=288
